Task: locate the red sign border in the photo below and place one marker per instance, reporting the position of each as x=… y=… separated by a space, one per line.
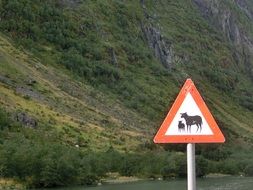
x=216 y=137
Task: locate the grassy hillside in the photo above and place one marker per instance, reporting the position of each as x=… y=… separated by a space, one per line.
x=86 y=78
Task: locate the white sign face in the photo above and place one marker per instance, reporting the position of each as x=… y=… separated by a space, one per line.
x=189 y=120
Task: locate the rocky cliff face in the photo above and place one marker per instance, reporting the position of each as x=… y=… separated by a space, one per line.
x=246 y=7
x=161 y=47
x=221 y=18
x=70 y=3
x=228 y=17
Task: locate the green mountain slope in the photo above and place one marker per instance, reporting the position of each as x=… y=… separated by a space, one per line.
x=103 y=74
x=53 y=97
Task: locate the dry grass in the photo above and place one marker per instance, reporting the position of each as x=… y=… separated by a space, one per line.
x=10 y=184
x=63 y=102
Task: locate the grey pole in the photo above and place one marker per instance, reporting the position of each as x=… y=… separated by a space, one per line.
x=191 y=175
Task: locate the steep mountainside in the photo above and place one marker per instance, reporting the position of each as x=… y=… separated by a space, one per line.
x=114 y=49
x=102 y=74
x=234 y=19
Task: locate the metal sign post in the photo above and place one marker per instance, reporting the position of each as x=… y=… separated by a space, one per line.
x=191 y=174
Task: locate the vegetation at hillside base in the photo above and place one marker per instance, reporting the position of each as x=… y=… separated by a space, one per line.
x=91 y=93
x=39 y=159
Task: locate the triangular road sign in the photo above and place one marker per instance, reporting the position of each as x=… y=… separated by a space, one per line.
x=189 y=120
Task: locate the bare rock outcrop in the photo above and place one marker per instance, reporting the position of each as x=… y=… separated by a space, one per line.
x=26 y=120
x=161 y=46
x=224 y=18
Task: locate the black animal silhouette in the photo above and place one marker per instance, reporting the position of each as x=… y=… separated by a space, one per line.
x=181 y=126
x=192 y=120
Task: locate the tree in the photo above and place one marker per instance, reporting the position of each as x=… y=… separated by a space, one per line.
x=201 y=166
x=4 y=120
x=249 y=170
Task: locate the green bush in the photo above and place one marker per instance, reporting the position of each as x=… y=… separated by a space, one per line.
x=201 y=166
x=249 y=170
x=176 y=166
x=216 y=153
x=228 y=167
x=130 y=165
x=4 y=120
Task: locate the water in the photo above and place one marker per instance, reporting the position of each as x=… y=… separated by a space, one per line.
x=214 y=183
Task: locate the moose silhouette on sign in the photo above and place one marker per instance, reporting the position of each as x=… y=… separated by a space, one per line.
x=181 y=126
x=192 y=120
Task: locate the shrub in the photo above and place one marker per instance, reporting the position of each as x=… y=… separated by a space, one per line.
x=249 y=170
x=4 y=120
x=229 y=167
x=176 y=166
x=201 y=166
